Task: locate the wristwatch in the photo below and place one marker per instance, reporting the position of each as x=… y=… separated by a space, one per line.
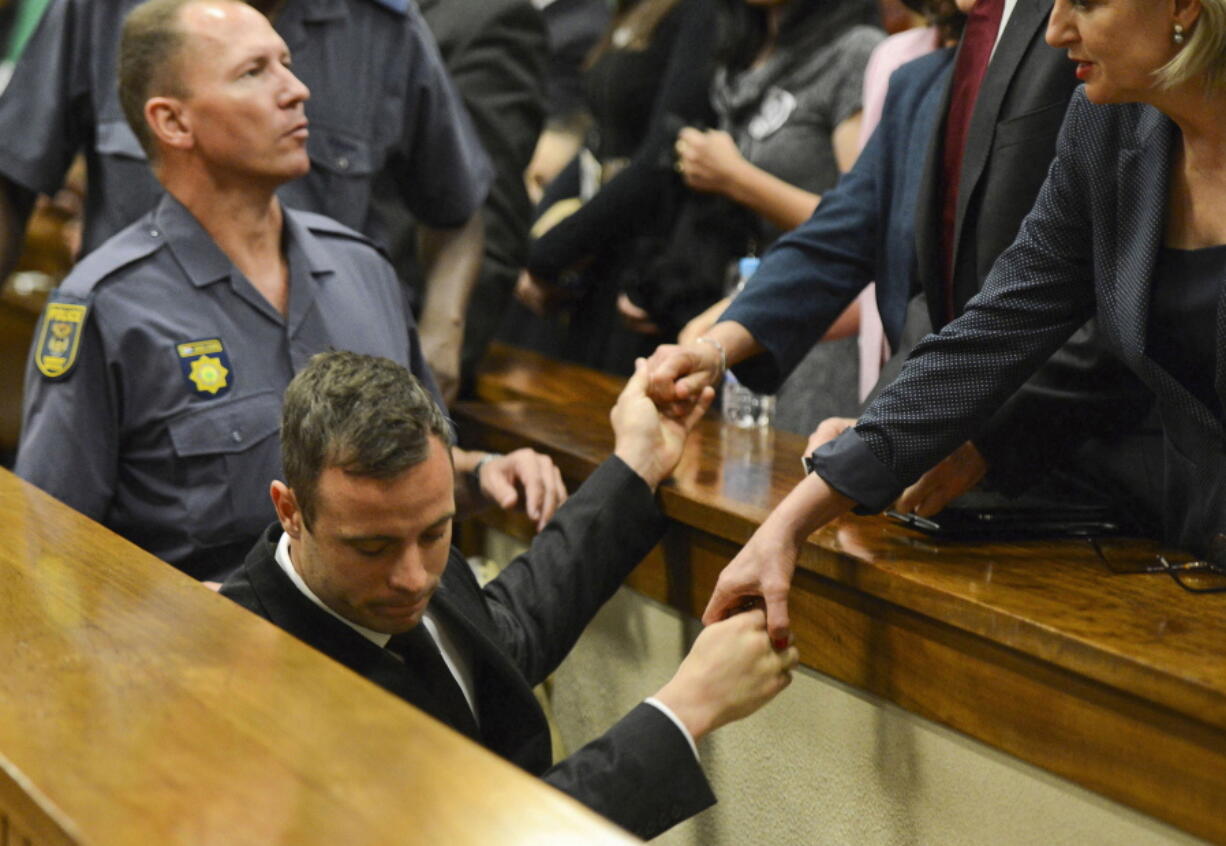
x=809 y=462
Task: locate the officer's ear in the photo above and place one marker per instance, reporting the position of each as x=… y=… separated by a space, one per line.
x=168 y=122
x=288 y=512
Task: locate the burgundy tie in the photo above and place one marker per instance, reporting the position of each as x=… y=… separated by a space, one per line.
x=978 y=38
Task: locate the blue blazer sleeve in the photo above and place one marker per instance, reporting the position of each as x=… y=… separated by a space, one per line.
x=863 y=230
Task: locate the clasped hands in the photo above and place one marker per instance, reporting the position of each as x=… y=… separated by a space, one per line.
x=765 y=565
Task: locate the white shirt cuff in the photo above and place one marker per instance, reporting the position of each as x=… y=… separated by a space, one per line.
x=668 y=712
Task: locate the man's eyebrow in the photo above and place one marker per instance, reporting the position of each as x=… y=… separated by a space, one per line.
x=367 y=538
x=446 y=518
x=441 y=521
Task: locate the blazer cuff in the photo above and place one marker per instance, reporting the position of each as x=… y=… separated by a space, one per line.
x=851 y=468
x=670 y=785
x=668 y=712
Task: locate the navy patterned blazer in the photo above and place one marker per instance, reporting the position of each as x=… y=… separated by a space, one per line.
x=1088 y=248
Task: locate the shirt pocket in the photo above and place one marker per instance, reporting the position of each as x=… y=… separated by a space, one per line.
x=226 y=455
x=342 y=170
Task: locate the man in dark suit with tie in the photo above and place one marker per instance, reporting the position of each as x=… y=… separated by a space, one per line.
x=986 y=159
x=360 y=566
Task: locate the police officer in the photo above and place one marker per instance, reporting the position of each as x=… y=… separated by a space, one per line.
x=154 y=382
x=381 y=101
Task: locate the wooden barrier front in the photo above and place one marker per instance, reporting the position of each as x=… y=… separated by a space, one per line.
x=139 y=707
x=1115 y=680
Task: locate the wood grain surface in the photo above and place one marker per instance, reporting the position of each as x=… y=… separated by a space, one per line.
x=140 y=707
x=1112 y=678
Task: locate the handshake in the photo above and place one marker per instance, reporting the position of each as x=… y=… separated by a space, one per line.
x=733 y=669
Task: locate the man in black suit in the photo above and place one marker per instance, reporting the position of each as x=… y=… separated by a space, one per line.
x=1014 y=117
x=1082 y=390
x=361 y=567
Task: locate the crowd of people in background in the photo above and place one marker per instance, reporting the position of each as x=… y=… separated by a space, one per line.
x=1003 y=228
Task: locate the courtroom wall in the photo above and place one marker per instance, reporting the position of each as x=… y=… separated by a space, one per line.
x=827 y=764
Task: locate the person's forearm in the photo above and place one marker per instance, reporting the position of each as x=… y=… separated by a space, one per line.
x=810 y=505
x=781 y=203
x=452 y=261
x=738 y=344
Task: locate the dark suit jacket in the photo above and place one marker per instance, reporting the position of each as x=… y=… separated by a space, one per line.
x=883 y=221
x=1083 y=390
x=641 y=774
x=1088 y=248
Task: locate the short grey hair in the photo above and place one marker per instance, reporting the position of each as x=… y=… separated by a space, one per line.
x=149 y=47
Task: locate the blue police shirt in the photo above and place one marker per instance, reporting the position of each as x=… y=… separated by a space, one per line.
x=153 y=390
x=380 y=98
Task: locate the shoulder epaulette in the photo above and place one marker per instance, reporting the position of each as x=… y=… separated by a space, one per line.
x=130 y=245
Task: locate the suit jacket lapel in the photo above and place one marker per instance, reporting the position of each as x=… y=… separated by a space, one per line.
x=1143 y=186
x=1028 y=16
x=928 y=216
x=293 y=612
x=512 y=722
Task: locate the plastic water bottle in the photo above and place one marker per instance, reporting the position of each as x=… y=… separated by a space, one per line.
x=742 y=407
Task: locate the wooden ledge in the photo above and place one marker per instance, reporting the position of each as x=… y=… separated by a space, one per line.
x=1114 y=680
x=141 y=707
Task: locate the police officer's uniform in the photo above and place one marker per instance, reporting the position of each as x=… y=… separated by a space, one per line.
x=153 y=390
x=380 y=98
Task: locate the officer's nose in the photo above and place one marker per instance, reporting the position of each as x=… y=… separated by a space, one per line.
x=294 y=91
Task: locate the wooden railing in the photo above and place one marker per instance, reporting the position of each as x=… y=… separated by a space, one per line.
x=139 y=707
x=1113 y=679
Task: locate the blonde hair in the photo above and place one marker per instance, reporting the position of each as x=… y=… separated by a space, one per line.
x=1204 y=52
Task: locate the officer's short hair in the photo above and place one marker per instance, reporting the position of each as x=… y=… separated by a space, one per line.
x=149 y=47
x=369 y=416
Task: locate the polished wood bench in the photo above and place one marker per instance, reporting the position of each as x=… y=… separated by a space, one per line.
x=139 y=707
x=1114 y=680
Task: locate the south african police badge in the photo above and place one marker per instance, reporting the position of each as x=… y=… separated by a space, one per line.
x=206 y=367
x=59 y=338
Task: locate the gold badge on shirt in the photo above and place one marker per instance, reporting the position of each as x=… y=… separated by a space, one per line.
x=206 y=366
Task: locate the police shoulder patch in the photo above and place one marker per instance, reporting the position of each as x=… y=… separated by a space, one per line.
x=206 y=366
x=59 y=337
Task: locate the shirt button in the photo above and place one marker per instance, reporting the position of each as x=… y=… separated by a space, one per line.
x=236 y=436
x=153 y=233
x=343 y=163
